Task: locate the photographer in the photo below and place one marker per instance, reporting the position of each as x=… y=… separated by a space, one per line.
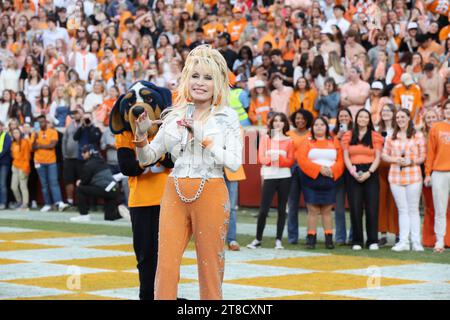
x=95 y=182
x=86 y=134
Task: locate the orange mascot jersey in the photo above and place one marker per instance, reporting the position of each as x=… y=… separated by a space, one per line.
x=147 y=188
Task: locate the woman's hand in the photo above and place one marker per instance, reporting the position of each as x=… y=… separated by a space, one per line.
x=363 y=177
x=143 y=124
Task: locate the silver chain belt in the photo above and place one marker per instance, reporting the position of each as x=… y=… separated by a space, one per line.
x=197 y=194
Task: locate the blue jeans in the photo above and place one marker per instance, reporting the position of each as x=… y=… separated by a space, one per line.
x=48 y=175
x=294 y=198
x=4 y=170
x=232 y=187
x=339 y=211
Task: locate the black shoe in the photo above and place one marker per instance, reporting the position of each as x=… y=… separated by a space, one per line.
x=329 y=241
x=382 y=242
x=311 y=240
x=397 y=239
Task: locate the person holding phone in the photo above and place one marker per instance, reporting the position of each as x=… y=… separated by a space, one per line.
x=344 y=123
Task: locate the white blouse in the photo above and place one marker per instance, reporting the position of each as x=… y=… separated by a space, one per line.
x=223 y=128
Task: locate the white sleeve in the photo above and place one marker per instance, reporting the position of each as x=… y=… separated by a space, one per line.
x=390 y=75
x=230 y=155
x=154 y=150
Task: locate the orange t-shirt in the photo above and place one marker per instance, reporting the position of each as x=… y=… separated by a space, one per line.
x=146 y=189
x=438 y=148
x=45 y=156
x=211 y=31
x=443 y=34
x=21 y=154
x=235 y=28
x=297 y=139
x=359 y=153
x=409 y=98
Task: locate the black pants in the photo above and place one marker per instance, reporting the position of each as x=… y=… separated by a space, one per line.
x=270 y=187
x=145 y=225
x=85 y=193
x=364 y=197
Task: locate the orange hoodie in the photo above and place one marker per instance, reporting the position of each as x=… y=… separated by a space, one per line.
x=21 y=154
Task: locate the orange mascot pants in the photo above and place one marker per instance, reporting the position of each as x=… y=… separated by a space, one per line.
x=206 y=219
x=428 y=235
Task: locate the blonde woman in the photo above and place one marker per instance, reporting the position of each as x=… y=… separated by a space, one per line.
x=335 y=68
x=195 y=200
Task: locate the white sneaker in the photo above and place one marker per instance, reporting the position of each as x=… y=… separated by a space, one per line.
x=373 y=246
x=278 y=245
x=356 y=247
x=46 y=208
x=124 y=212
x=34 y=204
x=417 y=247
x=255 y=244
x=62 y=206
x=401 y=246
x=82 y=218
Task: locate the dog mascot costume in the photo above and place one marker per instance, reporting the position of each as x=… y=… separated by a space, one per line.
x=146 y=183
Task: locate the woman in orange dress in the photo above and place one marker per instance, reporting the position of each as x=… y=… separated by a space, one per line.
x=387 y=213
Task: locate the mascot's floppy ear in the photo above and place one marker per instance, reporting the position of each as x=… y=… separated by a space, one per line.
x=166 y=95
x=116 y=120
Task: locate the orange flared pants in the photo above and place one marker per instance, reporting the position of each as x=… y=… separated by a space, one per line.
x=206 y=219
x=387 y=213
x=428 y=235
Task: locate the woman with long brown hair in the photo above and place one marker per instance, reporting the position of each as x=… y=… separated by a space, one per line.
x=276 y=154
x=405 y=151
x=387 y=213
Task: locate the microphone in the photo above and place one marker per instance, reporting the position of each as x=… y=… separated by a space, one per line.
x=190 y=108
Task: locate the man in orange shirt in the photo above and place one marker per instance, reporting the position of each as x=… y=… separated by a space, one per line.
x=213 y=28
x=408 y=95
x=43 y=143
x=427 y=46
x=237 y=25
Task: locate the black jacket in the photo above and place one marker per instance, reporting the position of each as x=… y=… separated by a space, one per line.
x=96 y=173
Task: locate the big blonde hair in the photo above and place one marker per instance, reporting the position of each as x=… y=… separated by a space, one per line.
x=210 y=59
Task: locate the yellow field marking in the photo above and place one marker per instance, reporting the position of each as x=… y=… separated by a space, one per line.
x=76 y=296
x=87 y=282
x=332 y=262
x=13 y=246
x=119 y=247
x=111 y=263
x=11 y=236
x=317 y=282
x=9 y=261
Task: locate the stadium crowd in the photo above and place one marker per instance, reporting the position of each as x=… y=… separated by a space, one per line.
x=355 y=94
